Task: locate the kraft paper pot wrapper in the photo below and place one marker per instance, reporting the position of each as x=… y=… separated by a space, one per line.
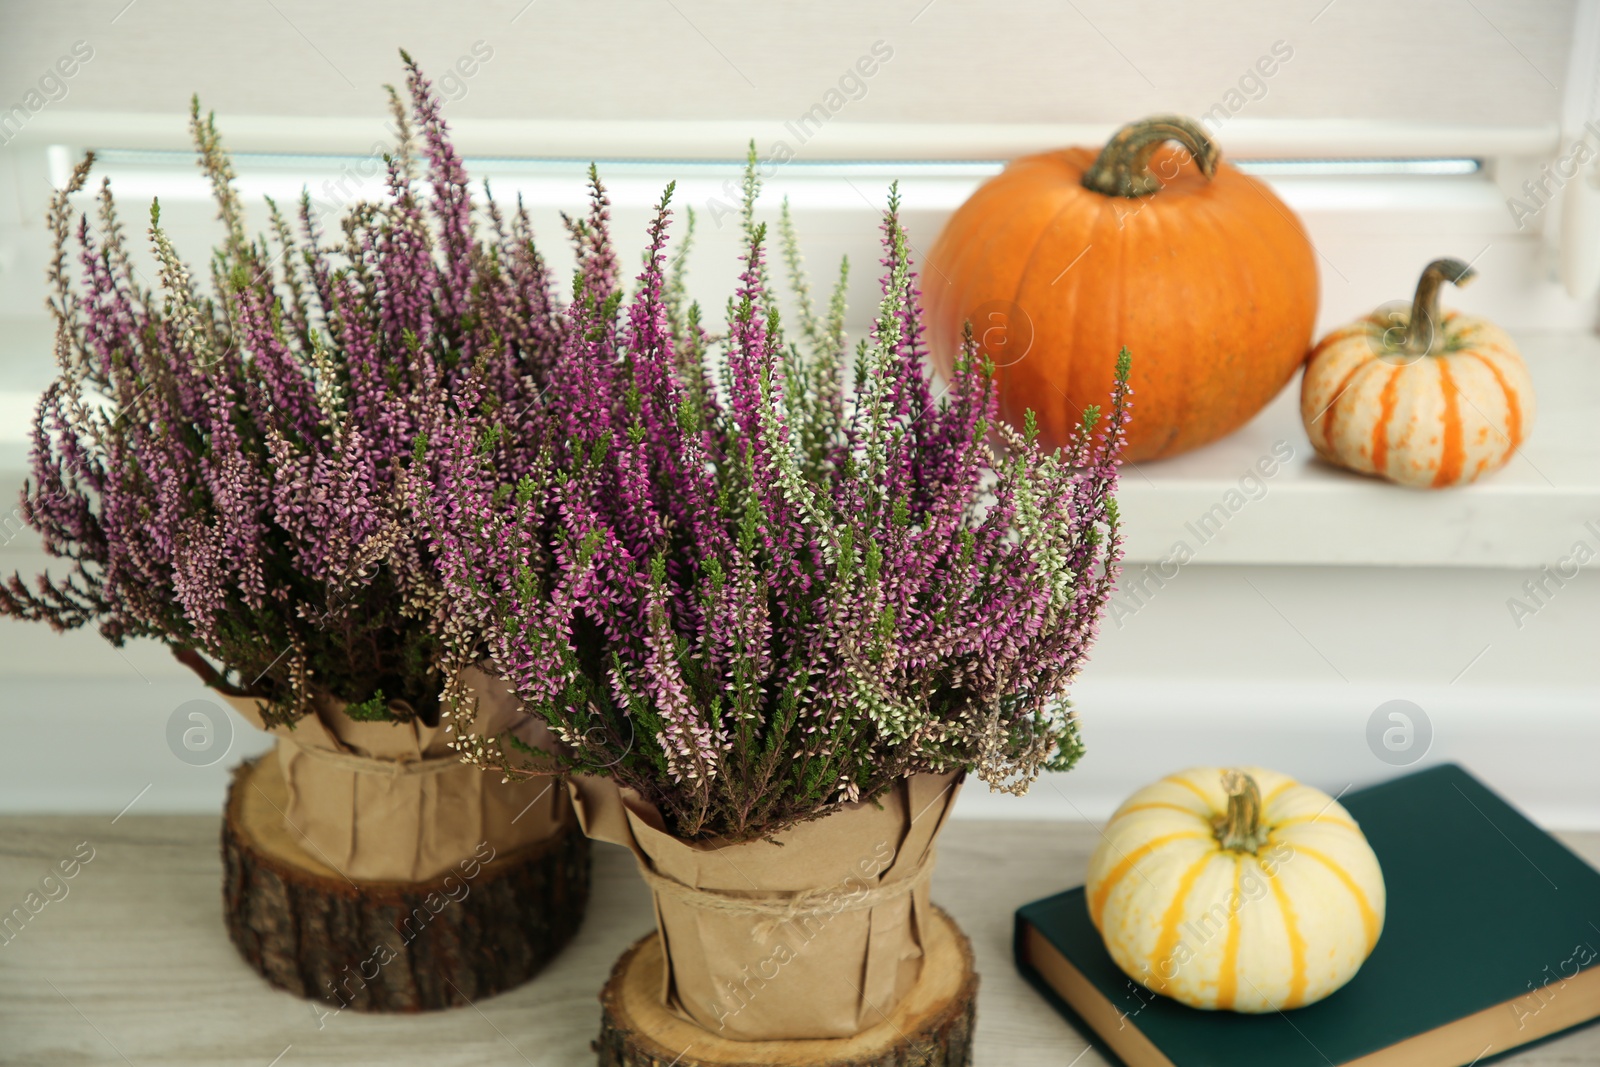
x=391 y=801
x=814 y=934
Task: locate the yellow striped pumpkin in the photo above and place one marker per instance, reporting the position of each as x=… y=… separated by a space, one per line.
x=1422 y=399
x=1236 y=889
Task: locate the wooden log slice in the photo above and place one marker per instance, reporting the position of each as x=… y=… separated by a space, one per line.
x=931 y=1027
x=390 y=946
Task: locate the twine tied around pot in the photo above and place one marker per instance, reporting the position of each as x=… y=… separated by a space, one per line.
x=776 y=911
x=839 y=908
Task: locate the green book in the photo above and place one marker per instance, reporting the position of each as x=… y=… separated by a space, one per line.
x=1492 y=941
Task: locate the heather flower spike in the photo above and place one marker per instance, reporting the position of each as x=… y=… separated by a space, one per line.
x=753 y=581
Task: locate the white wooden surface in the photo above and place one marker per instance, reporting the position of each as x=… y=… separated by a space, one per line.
x=133 y=967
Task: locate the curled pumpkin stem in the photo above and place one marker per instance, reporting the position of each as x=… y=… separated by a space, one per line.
x=1123 y=166
x=1240 y=827
x=1423 y=335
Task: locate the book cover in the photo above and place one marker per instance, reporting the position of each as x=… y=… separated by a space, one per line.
x=1492 y=941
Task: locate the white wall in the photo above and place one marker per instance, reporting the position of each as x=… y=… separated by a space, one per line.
x=1278 y=666
x=1491 y=62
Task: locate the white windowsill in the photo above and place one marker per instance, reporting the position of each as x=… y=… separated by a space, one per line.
x=1523 y=516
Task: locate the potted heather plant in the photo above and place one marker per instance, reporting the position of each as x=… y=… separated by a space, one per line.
x=774 y=607
x=220 y=472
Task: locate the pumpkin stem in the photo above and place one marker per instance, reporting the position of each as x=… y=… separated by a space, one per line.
x=1422 y=330
x=1240 y=827
x=1123 y=166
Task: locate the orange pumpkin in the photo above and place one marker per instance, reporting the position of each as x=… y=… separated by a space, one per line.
x=1422 y=399
x=1065 y=257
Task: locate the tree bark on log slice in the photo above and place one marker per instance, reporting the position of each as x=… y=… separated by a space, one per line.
x=481 y=929
x=931 y=1027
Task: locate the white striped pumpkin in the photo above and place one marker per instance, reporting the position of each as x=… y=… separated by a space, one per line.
x=1422 y=399
x=1236 y=889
